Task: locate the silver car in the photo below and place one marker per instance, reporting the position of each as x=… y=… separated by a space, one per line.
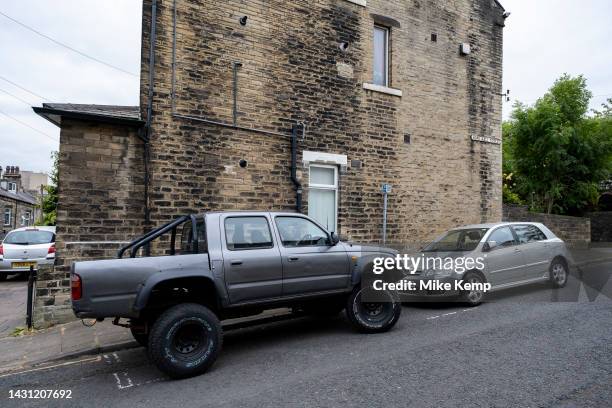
x=511 y=254
x=26 y=247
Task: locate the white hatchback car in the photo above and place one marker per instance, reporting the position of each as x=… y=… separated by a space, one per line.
x=26 y=247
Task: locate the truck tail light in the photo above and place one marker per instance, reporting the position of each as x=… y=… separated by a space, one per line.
x=76 y=287
x=51 y=250
x=1 y=250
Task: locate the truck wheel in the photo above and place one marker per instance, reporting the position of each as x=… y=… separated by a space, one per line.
x=185 y=340
x=3 y=277
x=372 y=317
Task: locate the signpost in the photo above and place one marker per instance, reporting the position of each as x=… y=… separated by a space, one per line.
x=386 y=189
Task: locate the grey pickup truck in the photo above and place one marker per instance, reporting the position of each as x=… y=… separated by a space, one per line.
x=223 y=265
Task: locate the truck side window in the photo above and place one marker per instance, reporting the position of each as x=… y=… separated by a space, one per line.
x=186 y=235
x=247 y=233
x=299 y=232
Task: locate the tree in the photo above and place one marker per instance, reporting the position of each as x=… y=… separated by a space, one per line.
x=558 y=153
x=49 y=205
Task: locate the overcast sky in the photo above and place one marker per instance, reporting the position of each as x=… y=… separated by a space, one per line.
x=542 y=40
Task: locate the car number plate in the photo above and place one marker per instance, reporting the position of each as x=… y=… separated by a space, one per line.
x=23 y=264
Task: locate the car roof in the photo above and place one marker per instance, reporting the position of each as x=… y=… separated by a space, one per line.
x=497 y=224
x=32 y=227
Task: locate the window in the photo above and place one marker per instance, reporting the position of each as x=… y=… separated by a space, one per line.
x=26 y=218
x=12 y=187
x=457 y=240
x=322 y=195
x=30 y=237
x=381 y=56
x=186 y=234
x=7 y=216
x=528 y=233
x=503 y=237
x=247 y=233
x=299 y=232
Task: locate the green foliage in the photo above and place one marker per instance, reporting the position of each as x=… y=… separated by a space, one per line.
x=50 y=202
x=556 y=154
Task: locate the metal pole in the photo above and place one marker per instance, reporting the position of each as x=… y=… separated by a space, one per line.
x=385 y=217
x=31 y=280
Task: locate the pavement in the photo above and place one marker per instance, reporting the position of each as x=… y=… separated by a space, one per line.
x=13 y=296
x=523 y=347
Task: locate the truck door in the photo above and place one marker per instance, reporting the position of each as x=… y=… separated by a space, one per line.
x=310 y=262
x=251 y=260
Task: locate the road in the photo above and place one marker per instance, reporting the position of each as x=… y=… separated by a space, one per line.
x=518 y=349
x=13 y=296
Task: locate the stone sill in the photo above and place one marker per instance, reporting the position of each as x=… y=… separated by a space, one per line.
x=382 y=89
x=358 y=2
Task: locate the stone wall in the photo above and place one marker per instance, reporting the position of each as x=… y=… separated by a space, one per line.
x=601 y=226
x=292 y=69
x=18 y=209
x=575 y=231
x=101 y=205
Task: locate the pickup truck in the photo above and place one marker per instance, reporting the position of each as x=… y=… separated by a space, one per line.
x=222 y=265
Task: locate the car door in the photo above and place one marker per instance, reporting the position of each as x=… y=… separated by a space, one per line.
x=251 y=260
x=505 y=262
x=532 y=243
x=310 y=262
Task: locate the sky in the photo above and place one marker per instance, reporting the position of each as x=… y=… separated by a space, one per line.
x=542 y=40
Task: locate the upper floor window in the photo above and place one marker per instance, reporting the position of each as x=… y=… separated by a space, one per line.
x=381 y=56
x=12 y=187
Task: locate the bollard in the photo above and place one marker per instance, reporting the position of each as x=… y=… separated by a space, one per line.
x=31 y=280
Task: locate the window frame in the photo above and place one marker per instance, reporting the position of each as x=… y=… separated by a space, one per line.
x=8 y=211
x=11 y=187
x=386 y=51
x=512 y=232
x=280 y=237
x=528 y=226
x=328 y=187
x=226 y=243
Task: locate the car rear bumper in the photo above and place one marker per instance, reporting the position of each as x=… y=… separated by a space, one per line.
x=6 y=265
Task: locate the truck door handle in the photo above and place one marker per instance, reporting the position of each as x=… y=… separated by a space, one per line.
x=236 y=262
x=293 y=258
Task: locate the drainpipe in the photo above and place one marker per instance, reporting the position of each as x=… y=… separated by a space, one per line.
x=146 y=135
x=296 y=182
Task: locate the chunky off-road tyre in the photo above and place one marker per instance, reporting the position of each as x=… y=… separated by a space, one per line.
x=185 y=340
x=372 y=317
x=473 y=298
x=558 y=273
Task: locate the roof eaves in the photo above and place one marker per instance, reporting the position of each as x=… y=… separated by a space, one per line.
x=49 y=113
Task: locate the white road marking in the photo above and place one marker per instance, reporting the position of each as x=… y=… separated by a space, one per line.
x=69 y=363
x=469 y=310
x=117 y=359
x=128 y=384
x=432 y=317
x=448 y=314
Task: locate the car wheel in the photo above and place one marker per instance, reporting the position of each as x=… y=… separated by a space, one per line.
x=558 y=273
x=473 y=297
x=372 y=317
x=185 y=340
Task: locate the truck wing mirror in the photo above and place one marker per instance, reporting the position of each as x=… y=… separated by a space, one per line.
x=334 y=238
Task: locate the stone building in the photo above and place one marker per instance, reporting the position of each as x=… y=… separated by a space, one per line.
x=18 y=208
x=293 y=105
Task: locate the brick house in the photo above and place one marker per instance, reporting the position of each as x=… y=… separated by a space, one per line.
x=18 y=208
x=293 y=105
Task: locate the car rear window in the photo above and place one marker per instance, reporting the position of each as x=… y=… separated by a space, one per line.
x=29 y=237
